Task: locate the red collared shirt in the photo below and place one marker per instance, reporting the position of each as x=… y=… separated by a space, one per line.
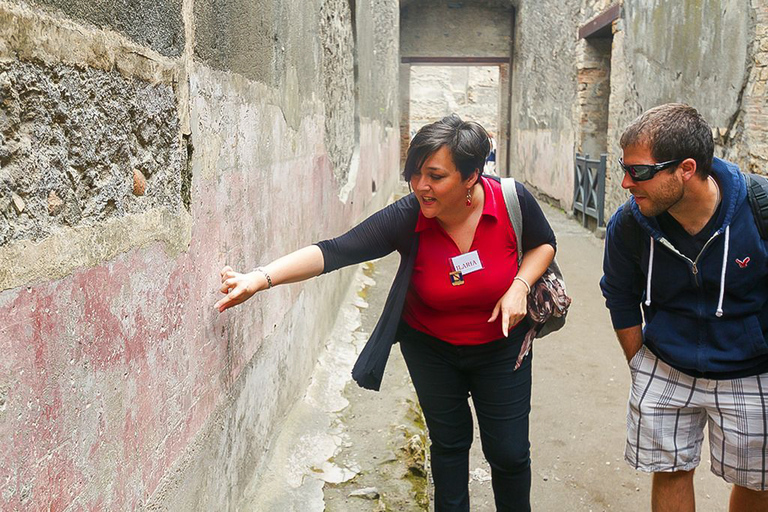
x=459 y=314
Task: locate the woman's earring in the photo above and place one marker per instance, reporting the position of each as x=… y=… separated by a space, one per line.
x=469 y=197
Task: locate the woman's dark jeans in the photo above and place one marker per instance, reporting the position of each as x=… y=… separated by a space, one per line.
x=444 y=376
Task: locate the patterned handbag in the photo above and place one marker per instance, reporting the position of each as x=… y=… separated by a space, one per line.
x=548 y=301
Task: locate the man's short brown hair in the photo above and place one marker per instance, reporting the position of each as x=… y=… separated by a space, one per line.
x=672 y=131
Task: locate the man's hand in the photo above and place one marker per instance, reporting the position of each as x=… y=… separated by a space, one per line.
x=631 y=340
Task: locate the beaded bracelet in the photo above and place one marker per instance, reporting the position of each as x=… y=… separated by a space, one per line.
x=518 y=278
x=269 y=279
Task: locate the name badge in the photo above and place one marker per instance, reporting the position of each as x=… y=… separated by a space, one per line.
x=467 y=263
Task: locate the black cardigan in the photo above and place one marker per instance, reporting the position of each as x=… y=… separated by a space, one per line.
x=392 y=229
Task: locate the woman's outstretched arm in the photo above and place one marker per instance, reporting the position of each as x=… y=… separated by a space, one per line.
x=291 y=268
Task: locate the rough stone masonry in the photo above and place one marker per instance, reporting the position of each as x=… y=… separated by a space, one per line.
x=143 y=145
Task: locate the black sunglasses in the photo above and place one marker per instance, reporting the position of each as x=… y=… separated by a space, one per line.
x=643 y=172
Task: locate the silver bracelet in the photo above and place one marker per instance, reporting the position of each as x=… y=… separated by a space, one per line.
x=264 y=272
x=518 y=278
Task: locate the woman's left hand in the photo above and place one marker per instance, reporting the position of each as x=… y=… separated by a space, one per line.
x=512 y=306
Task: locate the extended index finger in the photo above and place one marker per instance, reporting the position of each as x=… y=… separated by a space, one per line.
x=505 y=323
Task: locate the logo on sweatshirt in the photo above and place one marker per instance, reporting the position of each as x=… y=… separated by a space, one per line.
x=743 y=263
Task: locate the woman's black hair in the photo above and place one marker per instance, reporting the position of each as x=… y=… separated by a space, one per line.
x=466 y=140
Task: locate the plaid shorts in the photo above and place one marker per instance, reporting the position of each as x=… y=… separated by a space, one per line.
x=668 y=411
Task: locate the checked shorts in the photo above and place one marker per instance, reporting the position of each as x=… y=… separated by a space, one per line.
x=668 y=411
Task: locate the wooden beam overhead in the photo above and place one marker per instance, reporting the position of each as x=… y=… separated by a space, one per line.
x=600 y=25
x=457 y=61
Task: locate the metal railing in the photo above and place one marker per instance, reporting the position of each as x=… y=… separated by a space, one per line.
x=589 y=188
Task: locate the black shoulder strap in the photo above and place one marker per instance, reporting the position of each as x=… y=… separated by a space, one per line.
x=757 y=195
x=630 y=231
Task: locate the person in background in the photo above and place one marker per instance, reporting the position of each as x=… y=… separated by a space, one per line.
x=490 y=160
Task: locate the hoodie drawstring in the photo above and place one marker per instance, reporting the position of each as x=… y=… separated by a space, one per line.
x=650 y=272
x=719 y=312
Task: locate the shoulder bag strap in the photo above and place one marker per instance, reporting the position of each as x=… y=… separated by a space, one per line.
x=509 y=191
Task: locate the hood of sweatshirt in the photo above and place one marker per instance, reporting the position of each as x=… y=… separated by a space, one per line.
x=733 y=193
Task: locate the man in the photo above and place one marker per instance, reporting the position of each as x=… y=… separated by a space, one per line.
x=686 y=247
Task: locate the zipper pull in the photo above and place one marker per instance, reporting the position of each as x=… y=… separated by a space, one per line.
x=695 y=269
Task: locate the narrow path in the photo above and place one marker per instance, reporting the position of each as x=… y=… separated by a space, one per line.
x=345 y=449
x=384 y=430
x=580 y=388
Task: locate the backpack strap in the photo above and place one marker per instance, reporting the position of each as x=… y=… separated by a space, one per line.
x=509 y=190
x=757 y=195
x=630 y=231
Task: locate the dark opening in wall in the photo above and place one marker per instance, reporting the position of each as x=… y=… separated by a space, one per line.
x=186 y=173
x=594 y=79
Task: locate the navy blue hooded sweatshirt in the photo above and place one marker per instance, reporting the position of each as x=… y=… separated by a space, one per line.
x=706 y=317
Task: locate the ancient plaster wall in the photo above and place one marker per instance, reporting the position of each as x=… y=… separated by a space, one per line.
x=709 y=69
x=714 y=59
x=435 y=28
x=130 y=172
x=472 y=92
x=544 y=97
x=744 y=138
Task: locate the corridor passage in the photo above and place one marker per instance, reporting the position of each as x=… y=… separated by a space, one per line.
x=581 y=383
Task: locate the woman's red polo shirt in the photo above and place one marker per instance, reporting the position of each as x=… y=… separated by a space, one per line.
x=459 y=314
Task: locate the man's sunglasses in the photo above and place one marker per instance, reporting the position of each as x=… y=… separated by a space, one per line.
x=643 y=172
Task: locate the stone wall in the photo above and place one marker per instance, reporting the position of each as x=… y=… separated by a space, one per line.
x=472 y=92
x=142 y=147
x=467 y=32
x=571 y=94
x=544 y=95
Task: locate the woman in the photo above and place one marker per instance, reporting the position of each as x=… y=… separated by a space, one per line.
x=457 y=305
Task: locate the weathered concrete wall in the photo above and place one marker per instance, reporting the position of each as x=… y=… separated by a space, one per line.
x=543 y=97
x=745 y=138
x=712 y=56
x=133 y=176
x=435 y=28
x=438 y=29
x=704 y=62
x=472 y=92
